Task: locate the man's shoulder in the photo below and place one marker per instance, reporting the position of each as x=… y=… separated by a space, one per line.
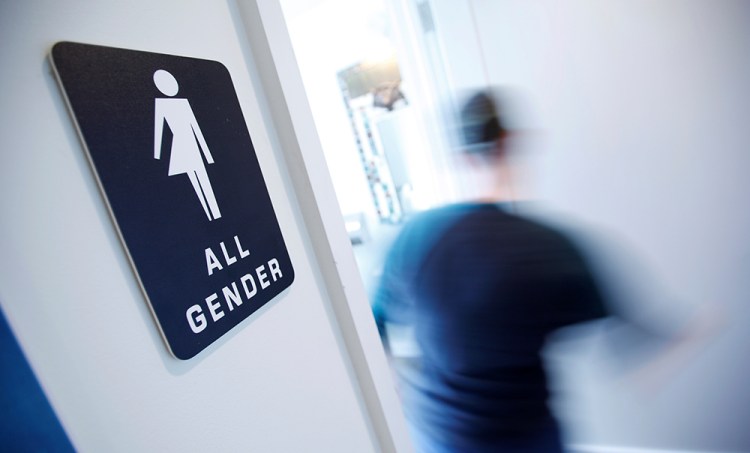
x=483 y=222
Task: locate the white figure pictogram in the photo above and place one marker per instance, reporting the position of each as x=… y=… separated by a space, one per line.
x=187 y=141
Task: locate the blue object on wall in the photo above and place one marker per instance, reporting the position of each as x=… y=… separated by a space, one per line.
x=27 y=421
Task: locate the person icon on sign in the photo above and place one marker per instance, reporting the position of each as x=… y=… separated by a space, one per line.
x=187 y=141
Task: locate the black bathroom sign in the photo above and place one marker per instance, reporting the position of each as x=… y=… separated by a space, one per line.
x=167 y=140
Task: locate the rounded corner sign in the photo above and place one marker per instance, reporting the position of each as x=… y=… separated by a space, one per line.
x=167 y=140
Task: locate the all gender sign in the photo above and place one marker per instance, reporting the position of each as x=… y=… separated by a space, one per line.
x=168 y=143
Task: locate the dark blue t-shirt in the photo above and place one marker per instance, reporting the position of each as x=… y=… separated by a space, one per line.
x=482 y=289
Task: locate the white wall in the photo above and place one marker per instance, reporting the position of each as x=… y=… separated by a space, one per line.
x=643 y=109
x=280 y=381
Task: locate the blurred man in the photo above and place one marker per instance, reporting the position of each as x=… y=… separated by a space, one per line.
x=482 y=288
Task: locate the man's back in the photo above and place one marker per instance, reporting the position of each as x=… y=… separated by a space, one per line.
x=482 y=289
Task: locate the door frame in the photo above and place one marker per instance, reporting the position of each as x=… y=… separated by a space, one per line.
x=286 y=101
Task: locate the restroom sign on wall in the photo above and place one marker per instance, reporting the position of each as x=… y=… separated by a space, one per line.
x=167 y=140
